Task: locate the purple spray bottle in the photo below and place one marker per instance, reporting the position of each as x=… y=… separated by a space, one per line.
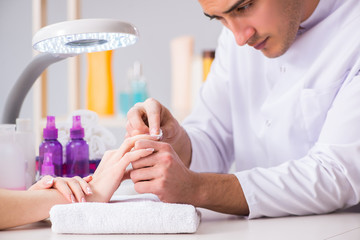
x=77 y=151
x=51 y=145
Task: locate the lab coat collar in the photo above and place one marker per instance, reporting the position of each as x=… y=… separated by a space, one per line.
x=323 y=10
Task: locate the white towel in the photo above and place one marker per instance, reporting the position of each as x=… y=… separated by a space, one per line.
x=128 y=214
x=99 y=138
x=88 y=118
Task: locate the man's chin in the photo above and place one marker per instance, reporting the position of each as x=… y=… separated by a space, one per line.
x=272 y=54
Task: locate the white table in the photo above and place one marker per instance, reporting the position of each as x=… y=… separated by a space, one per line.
x=217 y=226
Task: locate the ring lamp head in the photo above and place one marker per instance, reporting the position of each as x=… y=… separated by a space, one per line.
x=84 y=36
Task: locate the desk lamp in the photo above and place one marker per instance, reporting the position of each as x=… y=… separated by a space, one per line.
x=59 y=41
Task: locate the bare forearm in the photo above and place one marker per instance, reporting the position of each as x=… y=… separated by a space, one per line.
x=23 y=207
x=220 y=192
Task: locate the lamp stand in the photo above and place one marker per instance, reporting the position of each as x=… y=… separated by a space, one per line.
x=23 y=84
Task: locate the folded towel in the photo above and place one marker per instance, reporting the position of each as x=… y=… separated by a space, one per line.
x=127 y=214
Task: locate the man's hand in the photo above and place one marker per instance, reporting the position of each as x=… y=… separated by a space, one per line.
x=149 y=117
x=163 y=174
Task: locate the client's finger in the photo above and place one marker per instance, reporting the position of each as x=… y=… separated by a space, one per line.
x=88 y=178
x=84 y=184
x=62 y=186
x=45 y=183
x=129 y=143
x=76 y=188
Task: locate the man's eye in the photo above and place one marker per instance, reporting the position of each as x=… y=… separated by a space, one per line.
x=244 y=8
x=216 y=18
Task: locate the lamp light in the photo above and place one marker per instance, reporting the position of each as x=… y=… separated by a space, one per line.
x=59 y=41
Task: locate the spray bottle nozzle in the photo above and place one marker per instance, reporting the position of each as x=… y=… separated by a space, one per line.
x=47 y=167
x=76 y=122
x=50 y=123
x=77 y=131
x=50 y=132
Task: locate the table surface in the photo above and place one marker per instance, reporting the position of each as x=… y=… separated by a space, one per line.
x=217 y=226
x=335 y=226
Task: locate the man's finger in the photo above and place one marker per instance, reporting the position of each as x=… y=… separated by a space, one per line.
x=145 y=174
x=153 y=111
x=136 y=124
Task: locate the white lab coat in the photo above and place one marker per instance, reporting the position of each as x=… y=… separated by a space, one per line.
x=291 y=124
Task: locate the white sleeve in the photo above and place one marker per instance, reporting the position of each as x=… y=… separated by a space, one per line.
x=209 y=125
x=326 y=179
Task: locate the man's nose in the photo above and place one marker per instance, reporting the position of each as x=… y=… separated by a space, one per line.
x=242 y=32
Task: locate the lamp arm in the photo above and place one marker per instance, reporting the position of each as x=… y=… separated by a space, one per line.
x=23 y=84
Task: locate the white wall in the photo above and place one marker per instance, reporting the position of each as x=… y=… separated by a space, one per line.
x=158 y=22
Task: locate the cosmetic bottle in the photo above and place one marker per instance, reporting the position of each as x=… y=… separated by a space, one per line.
x=12 y=170
x=125 y=101
x=208 y=58
x=77 y=151
x=100 y=86
x=25 y=138
x=47 y=166
x=51 y=145
x=138 y=84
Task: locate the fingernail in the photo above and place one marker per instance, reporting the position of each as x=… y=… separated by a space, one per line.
x=150 y=149
x=88 y=189
x=72 y=198
x=154 y=134
x=88 y=178
x=153 y=131
x=83 y=199
x=50 y=182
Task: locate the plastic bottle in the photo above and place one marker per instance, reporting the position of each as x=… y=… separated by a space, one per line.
x=138 y=84
x=100 y=86
x=51 y=145
x=25 y=138
x=12 y=163
x=125 y=101
x=77 y=151
x=208 y=58
x=48 y=166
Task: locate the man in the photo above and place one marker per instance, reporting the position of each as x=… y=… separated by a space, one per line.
x=281 y=101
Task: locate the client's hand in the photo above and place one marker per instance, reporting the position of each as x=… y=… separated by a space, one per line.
x=111 y=170
x=68 y=187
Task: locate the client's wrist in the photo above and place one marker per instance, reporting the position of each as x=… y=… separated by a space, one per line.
x=97 y=194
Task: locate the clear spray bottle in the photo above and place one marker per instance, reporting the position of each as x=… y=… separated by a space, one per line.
x=138 y=84
x=77 y=151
